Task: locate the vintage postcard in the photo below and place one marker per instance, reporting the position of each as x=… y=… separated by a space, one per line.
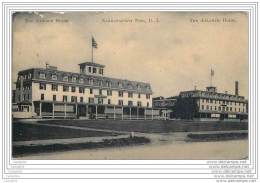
x=130 y=85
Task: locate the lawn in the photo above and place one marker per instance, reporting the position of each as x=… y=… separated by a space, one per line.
x=24 y=132
x=156 y=126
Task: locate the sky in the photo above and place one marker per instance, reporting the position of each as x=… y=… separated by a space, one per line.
x=174 y=51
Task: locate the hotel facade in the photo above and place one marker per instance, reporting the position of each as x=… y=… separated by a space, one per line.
x=210 y=104
x=51 y=93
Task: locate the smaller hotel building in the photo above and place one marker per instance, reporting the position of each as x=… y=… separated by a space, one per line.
x=51 y=93
x=210 y=104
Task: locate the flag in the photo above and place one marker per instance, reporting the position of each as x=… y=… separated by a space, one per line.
x=212 y=72
x=94 y=43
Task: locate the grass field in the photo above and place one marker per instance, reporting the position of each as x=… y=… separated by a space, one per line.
x=24 y=132
x=155 y=126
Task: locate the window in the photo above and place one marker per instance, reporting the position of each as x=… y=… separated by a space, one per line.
x=120 y=102
x=130 y=103
x=81 y=90
x=81 y=99
x=66 y=88
x=207 y=107
x=65 y=98
x=94 y=70
x=139 y=95
x=65 y=78
x=230 y=108
x=210 y=107
x=147 y=96
x=74 y=79
x=42 y=86
x=139 y=104
x=223 y=108
x=202 y=107
x=119 y=84
x=54 y=87
x=91 y=100
x=219 y=108
x=42 y=75
x=73 y=89
x=89 y=69
x=100 y=82
x=215 y=108
x=101 y=71
x=108 y=101
x=109 y=92
x=42 y=96
x=211 y=101
x=54 y=77
x=120 y=93
x=81 y=80
x=100 y=100
x=147 y=104
x=91 y=91
x=108 y=83
x=100 y=91
x=54 y=97
x=73 y=99
x=90 y=81
x=130 y=94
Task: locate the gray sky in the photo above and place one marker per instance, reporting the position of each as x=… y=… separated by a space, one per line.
x=173 y=53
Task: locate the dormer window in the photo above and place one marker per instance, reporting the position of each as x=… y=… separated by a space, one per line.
x=74 y=79
x=108 y=83
x=65 y=78
x=54 y=77
x=120 y=84
x=42 y=75
x=100 y=82
x=90 y=81
x=81 y=80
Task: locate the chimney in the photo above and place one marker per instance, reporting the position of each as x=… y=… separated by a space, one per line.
x=236 y=88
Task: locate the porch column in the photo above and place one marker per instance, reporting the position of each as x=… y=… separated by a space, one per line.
x=122 y=113
x=96 y=112
x=152 y=113
x=76 y=106
x=114 y=112
x=40 y=109
x=130 y=113
x=65 y=110
x=86 y=111
x=53 y=110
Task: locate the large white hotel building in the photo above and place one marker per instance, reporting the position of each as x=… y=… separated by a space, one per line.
x=51 y=93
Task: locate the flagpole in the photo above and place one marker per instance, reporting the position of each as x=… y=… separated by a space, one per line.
x=92 y=52
x=92 y=49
